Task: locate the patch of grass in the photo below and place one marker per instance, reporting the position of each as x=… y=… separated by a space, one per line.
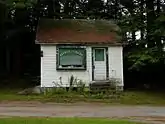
x=127 y=98
x=143 y=97
x=62 y=121
x=11 y=95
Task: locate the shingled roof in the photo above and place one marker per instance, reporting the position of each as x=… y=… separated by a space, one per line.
x=51 y=31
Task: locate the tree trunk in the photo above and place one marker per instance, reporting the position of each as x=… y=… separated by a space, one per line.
x=142 y=19
x=133 y=15
x=150 y=22
x=158 y=38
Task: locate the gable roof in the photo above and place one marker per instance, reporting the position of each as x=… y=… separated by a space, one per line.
x=51 y=31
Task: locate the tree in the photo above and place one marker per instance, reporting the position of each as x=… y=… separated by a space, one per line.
x=2 y=17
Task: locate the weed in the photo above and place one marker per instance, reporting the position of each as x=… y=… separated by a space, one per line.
x=77 y=88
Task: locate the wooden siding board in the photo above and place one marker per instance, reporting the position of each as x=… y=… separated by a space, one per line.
x=50 y=74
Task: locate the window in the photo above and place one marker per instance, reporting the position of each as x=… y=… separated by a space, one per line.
x=99 y=54
x=70 y=57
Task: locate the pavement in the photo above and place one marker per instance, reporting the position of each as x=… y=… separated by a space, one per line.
x=147 y=114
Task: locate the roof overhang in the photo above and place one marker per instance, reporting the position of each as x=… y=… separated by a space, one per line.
x=77 y=31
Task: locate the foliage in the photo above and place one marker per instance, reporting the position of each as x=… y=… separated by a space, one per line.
x=127 y=98
x=141 y=57
x=77 y=88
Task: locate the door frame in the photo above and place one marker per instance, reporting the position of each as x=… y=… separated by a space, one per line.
x=107 y=62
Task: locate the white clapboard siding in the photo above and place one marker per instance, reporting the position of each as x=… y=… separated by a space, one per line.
x=116 y=63
x=49 y=74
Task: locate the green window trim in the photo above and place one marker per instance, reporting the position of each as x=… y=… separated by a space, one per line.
x=71 y=57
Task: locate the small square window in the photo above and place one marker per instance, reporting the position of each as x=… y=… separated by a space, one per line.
x=99 y=54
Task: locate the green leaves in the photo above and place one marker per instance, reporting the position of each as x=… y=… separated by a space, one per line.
x=21 y=3
x=141 y=57
x=159 y=28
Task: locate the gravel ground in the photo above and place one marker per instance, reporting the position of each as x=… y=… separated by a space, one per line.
x=148 y=114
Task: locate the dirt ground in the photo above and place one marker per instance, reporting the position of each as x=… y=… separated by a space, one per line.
x=148 y=114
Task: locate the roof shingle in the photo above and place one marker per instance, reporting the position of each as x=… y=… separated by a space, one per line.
x=77 y=31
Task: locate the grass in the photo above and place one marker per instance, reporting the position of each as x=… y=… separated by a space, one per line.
x=62 y=121
x=127 y=98
x=143 y=97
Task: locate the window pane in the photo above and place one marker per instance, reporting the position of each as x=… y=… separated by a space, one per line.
x=99 y=54
x=71 y=57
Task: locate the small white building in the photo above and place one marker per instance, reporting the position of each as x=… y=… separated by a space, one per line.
x=90 y=50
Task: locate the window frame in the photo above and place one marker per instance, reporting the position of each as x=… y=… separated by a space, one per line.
x=70 y=68
x=95 y=55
